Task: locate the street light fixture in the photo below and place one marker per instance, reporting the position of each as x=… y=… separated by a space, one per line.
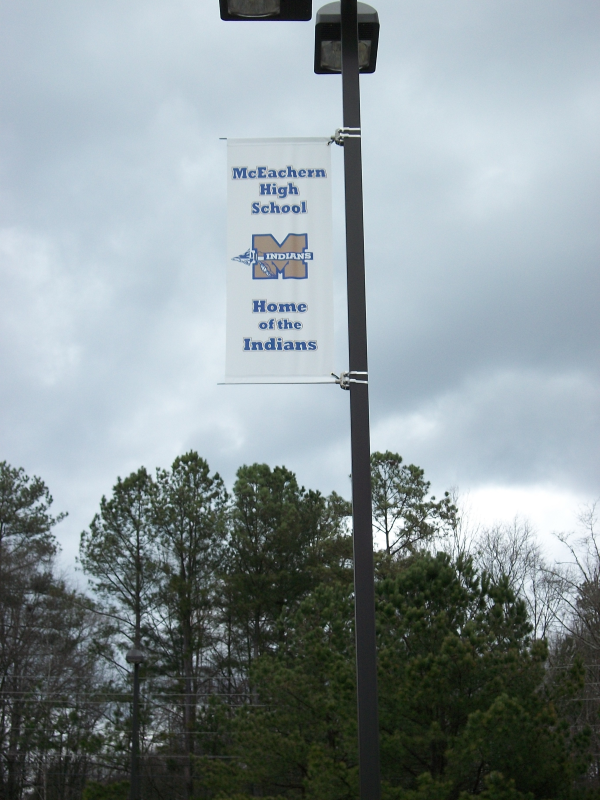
x=136 y=657
x=328 y=39
x=266 y=10
x=346 y=39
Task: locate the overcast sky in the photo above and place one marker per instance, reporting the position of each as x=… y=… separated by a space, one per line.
x=481 y=137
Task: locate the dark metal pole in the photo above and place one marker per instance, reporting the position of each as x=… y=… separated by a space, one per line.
x=364 y=586
x=134 y=789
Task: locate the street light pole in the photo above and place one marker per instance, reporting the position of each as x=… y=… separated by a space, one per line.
x=364 y=585
x=135 y=735
x=135 y=657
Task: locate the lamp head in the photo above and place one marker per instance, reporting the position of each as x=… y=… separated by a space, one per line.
x=328 y=39
x=135 y=656
x=266 y=10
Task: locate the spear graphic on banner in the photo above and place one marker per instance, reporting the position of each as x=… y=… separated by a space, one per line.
x=250 y=258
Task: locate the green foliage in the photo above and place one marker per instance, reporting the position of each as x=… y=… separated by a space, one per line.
x=461 y=684
x=238 y=796
x=117 y=790
x=498 y=788
x=49 y=721
x=25 y=517
x=299 y=736
x=462 y=697
x=426 y=788
x=401 y=509
x=189 y=516
x=282 y=538
x=246 y=607
x=118 y=552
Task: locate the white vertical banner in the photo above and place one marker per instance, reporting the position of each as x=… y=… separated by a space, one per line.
x=279 y=261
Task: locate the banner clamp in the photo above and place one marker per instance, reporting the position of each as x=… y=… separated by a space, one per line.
x=344 y=379
x=344 y=133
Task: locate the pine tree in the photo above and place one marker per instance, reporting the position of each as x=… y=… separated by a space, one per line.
x=190 y=515
x=402 y=510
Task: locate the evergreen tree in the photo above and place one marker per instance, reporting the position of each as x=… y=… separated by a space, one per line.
x=119 y=552
x=189 y=512
x=25 y=520
x=462 y=684
x=281 y=538
x=402 y=510
x=464 y=708
x=299 y=740
x=48 y=676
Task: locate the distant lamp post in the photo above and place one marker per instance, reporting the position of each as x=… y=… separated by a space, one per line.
x=265 y=10
x=328 y=39
x=346 y=39
x=136 y=657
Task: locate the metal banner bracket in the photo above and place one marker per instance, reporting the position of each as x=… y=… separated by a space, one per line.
x=344 y=379
x=345 y=133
